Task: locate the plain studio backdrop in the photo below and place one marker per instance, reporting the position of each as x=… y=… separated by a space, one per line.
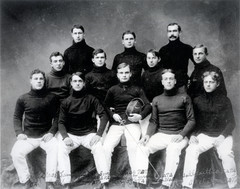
x=32 y=30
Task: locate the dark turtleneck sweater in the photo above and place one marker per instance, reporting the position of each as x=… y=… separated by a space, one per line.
x=152 y=82
x=172 y=113
x=135 y=59
x=120 y=95
x=175 y=55
x=58 y=82
x=39 y=109
x=214 y=114
x=78 y=57
x=99 y=80
x=196 y=83
x=76 y=115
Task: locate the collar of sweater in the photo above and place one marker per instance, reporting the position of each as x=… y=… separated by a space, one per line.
x=170 y=92
x=175 y=42
x=57 y=73
x=125 y=84
x=131 y=50
x=212 y=95
x=155 y=68
x=79 y=44
x=38 y=93
x=203 y=64
x=101 y=69
x=79 y=94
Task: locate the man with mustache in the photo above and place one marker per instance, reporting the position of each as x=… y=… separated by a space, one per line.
x=175 y=55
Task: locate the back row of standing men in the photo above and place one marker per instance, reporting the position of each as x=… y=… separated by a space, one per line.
x=165 y=83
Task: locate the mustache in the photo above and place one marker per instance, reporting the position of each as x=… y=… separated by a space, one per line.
x=173 y=36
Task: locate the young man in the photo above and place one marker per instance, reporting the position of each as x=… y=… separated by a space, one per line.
x=175 y=55
x=215 y=123
x=118 y=97
x=173 y=118
x=57 y=81
x=39 y=110
x=131 y=56
x=78 y=56
x=100 y=79
x=77 y=127
x=195 y=88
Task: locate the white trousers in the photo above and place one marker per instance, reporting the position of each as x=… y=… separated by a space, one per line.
x=224 y=151
x=160 y=141
x=64 y=165
x=23 y=147
x=132 y=133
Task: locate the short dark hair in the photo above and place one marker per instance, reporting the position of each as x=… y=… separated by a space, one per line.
x=123 y=65
x=78 y=27
x=79 y=74
x=174 y=23
x=55 y=54
x=168 y=70
x=37 y=71
x=201 y=46
x=215 y=76
x=154 y=52
x=129 y=32
x=97 y=51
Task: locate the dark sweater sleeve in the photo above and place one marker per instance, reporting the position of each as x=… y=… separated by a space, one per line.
x=147 y=106
x=115 y=63
x=18 y=116
x=230 y=120
x=62 y=119
x=66 y=65
x=108 y=102
x=189 y=115
x=55 y=112
x=153 y=122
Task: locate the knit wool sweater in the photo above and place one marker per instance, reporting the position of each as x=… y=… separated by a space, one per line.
x=78 y=58
x=58 y=83
x=40 y=113
x=120 y=95
x=76 y=115
x=99 y=80
x=214 y=114
x=135 y=59
x=152 y=82
x=175 y=55
x=172 y=113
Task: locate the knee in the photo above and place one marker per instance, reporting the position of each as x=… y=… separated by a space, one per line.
x=192 y=151
x=225 y=155
x=17 y=151
x=173 y=150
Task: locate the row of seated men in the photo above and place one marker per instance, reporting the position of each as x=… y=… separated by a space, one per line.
x=124 y=97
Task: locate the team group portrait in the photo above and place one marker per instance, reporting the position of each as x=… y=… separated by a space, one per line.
x=131 y=94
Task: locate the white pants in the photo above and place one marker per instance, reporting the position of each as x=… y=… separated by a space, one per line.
x=64 y=166
x=132 y=133
x=22 y=147
x=157 y=142
x=224 y=151
x=144 y=124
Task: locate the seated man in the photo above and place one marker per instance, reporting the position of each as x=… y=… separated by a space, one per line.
x=78 y=127
x=40 y=125
x=118 y=97
x=215 y=123
x=173 y=117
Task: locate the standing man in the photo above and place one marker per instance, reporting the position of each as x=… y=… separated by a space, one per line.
x=175 y=55
x=78 y=56
x=131 y=56
x=202 y=64
x=173 y=118
x=39 y=110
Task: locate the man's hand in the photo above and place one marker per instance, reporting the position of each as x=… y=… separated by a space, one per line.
x=117 y=118
x=22 y=137
x=68 y=141
x=134 y=117
x=193 y=140
x=177 y=138
x=47 y=137
x=95 y=140
x=144 y=140
x=218 y=140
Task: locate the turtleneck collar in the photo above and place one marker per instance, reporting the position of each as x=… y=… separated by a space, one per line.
x=80 y=44
x=202 y=64
x=38 y=93
x=99 y=69
x=57 y=73
x=125 y=84
x=171 y=92
x=213 y=95
x=155 y=68
x=130 y=50
x=79 y=94
x=175 y=42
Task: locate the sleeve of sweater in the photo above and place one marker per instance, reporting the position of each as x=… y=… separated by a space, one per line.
x=230 y=120
x=62 y=119
x=66 y=65
x=147 y=106
x=55 y=113
x=108 y=102
x=222 y=86
x=115 y=63
x=153 y=122
x=189 y=115
x=18 y=116
x=102 y=115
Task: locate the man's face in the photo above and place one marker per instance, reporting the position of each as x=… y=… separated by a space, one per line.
x=124 y=74
x=152 y=60
x=209 y=84
x=77 y=35
x=128 y=40
x=77 y=83
x=99 y=59
x=37 y=81
x=168 y=80
x=173 y=32
x=199 y=55
x=57 y=63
